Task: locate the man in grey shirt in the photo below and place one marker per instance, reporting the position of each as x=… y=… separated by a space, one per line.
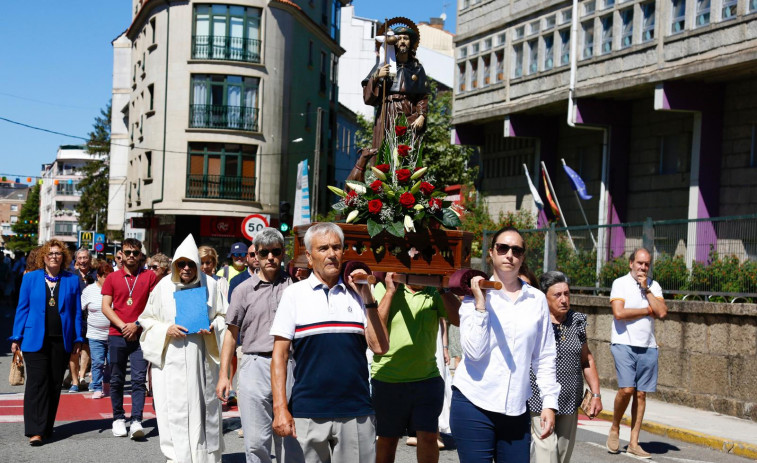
x=253 y=306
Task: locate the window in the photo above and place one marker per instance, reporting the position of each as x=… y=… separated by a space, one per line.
x=461 y=77
x=500 y=57
x=549 y=53
x=473 y=74
x=566 y=16
x=518 y=60
x=589 y=7
x=310 y=53
x=324 y=72
x=533 y=56
x=549 y=22
x=466 y=4
x=564 y=47
x=463 y=52
x=606 y=34
x=501 y=39
x=752 y=5
x=519 y=31
x=14 y=219
x=151 y=96
x=152 y=29
x=703 y=13
x=533 y=28
x=729 y=9
x=474 y=48
x=148 y=164
x=14 y=207
x=588 y=29
x=324 y=12
x=226 y=32
x=647 y=26
x=64 y=188
x=224 y=102
x=336 y=19
x=487 y=60
x=677 y=16
x=223 y=171
x=626 y=28
x=65 y=228
x=487 y=44
x=674 y=153
x=608 y=3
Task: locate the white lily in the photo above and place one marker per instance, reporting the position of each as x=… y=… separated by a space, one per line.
x=419 y=173
x=409 y=225
x=379 y=175
x=337 y=191
x=418 y=207
x=352 y=216
x=359 y=189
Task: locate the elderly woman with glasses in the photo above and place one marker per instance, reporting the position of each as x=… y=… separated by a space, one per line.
x=503 y=333
x=159 y=263
x=185 y=364
x=47 y=329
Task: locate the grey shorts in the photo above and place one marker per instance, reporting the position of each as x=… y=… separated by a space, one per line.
x=636 y=366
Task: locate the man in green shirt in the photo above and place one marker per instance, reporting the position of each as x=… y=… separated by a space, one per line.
x=408 y=391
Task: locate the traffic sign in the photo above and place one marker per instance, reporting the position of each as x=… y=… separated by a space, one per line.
x=99 y=238
x=253 y=223
x=99 y=247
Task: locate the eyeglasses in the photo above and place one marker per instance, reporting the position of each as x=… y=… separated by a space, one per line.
x=54 y=254
x=130 y=253
x=153 y=267
x=502 y=249
x=263 y=253
x=239 y=254
x=186 y=263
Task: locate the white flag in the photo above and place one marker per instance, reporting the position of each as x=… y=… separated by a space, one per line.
x=301 y=214
x=534 y=192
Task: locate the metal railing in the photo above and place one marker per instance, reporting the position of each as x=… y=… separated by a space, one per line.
x=221 y=187
x=223 y=117
x=713 y=258
x=225 y=48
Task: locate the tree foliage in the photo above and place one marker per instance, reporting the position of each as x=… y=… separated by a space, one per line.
x=26 y=229
x=93 y=204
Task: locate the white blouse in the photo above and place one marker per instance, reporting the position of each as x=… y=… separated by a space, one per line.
x=499 y=348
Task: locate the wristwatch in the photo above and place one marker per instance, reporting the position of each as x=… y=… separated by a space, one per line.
x=372 y=305
x=596 y=396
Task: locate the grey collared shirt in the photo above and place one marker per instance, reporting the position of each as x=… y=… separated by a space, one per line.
x=252 y=309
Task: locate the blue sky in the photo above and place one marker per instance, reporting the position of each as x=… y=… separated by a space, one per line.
x=56 y=69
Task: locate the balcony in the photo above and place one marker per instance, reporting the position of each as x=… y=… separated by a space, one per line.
x=223 y=117
x=220 y=187
x=226 y=48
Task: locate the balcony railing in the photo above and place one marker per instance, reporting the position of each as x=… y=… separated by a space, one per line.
x=223 y=117
x=226 y=48
x=221 y=187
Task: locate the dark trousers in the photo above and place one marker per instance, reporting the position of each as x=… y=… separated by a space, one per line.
x=482 y=436
x=121 y=351
x=44 y=378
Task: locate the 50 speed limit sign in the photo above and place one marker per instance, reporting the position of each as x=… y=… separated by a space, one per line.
x=253 y=223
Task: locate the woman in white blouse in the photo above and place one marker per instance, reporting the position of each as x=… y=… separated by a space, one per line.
x=97 y=330
x=503 y=333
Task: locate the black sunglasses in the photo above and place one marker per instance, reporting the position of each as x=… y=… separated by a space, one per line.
x=186 y=263
x=153 y=267
x=130 y=252
x=264 y=252
x=502 y=249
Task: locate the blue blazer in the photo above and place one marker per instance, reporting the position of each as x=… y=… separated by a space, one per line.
x=29 y=325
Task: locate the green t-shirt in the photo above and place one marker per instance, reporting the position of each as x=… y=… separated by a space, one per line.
x=413 y=327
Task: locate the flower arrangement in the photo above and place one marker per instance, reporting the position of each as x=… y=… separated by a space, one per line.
x=398 y=194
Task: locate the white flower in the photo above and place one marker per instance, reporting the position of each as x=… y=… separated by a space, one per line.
x=352 y=216
x=409 y=225
x=358 y=188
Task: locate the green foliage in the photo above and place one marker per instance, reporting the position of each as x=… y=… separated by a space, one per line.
x=721 y=275
x=612 y=270
x=26 y=229
x=671 y=272
x=579 y=265
x=93 y=204
x=364 y=136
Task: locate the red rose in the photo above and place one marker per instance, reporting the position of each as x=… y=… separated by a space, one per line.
x=427 y=188
x=403 y=150
x=383 y=168
x=400 y=130
x=403 y=175
x=407 y=200
x=434 y=204
x=374 y=206
x=376 y=186
x=351 y=198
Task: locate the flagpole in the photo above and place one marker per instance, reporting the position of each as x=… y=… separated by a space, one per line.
x=557 y=201
x=581 y=207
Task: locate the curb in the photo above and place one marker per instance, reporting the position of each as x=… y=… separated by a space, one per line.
x=721 y=444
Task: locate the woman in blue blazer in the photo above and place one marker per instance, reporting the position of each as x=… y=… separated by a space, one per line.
x=47 y=329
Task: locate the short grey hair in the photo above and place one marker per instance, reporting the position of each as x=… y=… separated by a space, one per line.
x=551 y=278
x=322 y=228
x=81 y=250
x=268 y=237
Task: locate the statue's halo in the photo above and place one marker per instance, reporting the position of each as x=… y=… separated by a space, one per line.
x=399 y=21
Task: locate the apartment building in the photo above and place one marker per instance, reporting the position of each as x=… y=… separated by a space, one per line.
x=12 y=198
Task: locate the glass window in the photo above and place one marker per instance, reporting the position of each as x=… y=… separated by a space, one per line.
x=548 y=52
x=488 y=44
x=703 y=13
x=549 y=22
x=588 y=30
x=474 y=48
x=461 y=77
x=474 y=74
x=226 y=32
x=533 y=28
x=566 y=16
x=487 y=60
x=607 y=34
x=519 y=31
x=729 y=9
x=608 y=3
x=752 y=5
x=647 y=26
x=218 y=170
x=533 y=56
x=500 y=56
x=589 y=7
x=677 y=16
x=14 y=207
x=564 y=47
x=501 y=39
x=518 y=60
x=224 y=102
x=626 y=32
x=463 y=52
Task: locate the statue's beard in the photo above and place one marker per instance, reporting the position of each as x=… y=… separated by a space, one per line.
x=402 y=49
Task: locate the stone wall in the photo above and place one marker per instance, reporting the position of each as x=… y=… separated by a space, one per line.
x=708 y=353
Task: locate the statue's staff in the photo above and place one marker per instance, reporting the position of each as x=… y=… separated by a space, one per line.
x=383 y=87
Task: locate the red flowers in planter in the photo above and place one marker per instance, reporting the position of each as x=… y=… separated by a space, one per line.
x=374 y=206
x=403 y=175
x=376 y=186
x=427 y=188
x=434 y=204
x=351 y=198
x=383 y=168
x=400 y=130
x=407 y=200
x=403 y=150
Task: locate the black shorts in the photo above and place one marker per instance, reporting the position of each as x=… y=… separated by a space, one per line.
x=407 y=407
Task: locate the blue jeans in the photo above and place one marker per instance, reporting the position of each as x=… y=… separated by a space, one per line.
x=482 y=436
x=122 y=351
x=98 y=350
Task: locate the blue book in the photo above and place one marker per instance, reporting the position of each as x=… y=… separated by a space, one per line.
x=192 y=309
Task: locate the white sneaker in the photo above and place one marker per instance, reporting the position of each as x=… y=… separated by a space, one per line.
x=136 y=431
x=119 y=428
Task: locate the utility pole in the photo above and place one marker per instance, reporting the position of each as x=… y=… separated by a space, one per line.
x=317 y=162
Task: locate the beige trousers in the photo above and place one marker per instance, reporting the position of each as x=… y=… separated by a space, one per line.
x=558 y=447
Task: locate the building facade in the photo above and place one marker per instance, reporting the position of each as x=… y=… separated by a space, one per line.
x=217 y=104
x=12 y=198
x=652 y=102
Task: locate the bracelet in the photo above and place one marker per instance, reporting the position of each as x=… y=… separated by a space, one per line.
x=445 y=347
x=596 y=396
x=372 y=305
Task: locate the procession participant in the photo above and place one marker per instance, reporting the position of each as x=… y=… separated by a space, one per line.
x=185 y=365
x=636 y=301
x=47 y=328
x=250 y=315
x=328 y=322
x=79 y=362
x=97 y=329
x=160 y=264
x=252 y=267
x=125 y=294
x=502 y=333
x=238 y=255
x=118 y=260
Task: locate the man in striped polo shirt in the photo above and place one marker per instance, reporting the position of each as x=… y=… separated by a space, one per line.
x=328 y=323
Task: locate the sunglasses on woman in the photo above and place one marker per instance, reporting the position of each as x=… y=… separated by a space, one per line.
x=263 y=253
x=186 y=263
x=502 y=249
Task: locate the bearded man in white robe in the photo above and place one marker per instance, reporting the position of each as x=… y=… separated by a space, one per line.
x=185 y=365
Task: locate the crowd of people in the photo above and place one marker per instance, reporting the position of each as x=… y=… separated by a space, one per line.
x=294 y=341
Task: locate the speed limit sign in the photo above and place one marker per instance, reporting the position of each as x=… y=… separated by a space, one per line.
x=253 y=223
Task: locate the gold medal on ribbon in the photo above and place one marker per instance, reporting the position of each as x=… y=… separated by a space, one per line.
x=51 y=303
x=129 y=301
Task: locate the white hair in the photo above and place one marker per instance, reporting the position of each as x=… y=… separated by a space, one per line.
x=323 y=228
